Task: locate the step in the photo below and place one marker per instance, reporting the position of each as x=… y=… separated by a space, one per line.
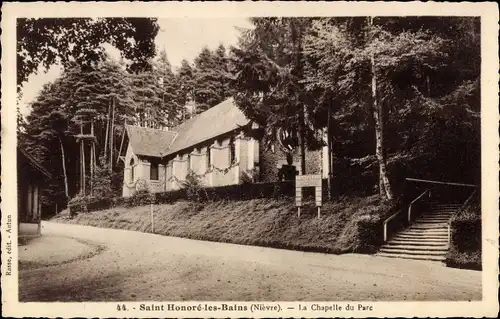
x=433 y=235
x=441 y=252
x=412 y=231
x=397 y=241
x=420 y=237
x=445 y=207
x=394 y=246
x=418 y=257
x=437 y=238
x=431 y=217
x=428 y=226
x=419 y=231
x=432 y=221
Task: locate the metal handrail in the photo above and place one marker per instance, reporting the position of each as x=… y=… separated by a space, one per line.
x=413 y=202
x=395 y=214
x=461 y=208
x=439 y=182
x=387 y=221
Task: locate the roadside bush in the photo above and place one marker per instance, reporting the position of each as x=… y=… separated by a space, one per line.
x=193 y=186
x=465 y=242
x=139 y=198
x=250 y=176
x=364 y=233
x=191 y=192
x=369 y=233
x=88 y=203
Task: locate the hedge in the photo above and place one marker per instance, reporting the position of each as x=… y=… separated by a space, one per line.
x=466 y=235
x=230 y=192
x=465 y=240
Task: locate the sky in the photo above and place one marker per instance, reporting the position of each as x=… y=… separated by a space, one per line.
x=182 y=38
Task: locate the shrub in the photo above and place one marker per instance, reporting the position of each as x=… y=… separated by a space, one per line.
x=87 y=203
x=465 y=241
x=141 y=186
x=249 y=176
x=369 y=233
x=192 y=191
x=102 y=180
x=193 y=185
x=141 y=197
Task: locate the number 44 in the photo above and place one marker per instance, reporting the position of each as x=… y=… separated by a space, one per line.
x=121 y=307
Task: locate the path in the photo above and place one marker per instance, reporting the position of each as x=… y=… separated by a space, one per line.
x=137 y=267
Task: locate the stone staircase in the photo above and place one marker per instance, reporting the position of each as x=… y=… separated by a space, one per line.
x=426 y=238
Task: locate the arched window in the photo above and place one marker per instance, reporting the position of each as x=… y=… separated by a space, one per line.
x=132 y=164
x=209 y=159
x=188 y=159
x=232 y=151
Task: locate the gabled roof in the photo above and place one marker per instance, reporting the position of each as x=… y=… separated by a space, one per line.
x=33 y=163
x=218 y=120
x=149 y=142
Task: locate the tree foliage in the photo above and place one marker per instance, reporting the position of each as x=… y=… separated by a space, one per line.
x=425 y=87
x=210 y=78
x=267 y=69
x=410 y=86
x=48 y=41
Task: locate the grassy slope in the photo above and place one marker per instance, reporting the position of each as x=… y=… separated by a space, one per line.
x=260 y=222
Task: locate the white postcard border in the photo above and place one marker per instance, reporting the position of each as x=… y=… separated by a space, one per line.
x=489 y=130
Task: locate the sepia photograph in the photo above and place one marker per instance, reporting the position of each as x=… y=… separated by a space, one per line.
x=248 y=163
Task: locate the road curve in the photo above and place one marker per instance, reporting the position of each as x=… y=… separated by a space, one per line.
x=135 y=266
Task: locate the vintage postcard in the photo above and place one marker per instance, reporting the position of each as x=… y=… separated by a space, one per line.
x=249 y=159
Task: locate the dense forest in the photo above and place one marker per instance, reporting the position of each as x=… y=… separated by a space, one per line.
x=398 y=96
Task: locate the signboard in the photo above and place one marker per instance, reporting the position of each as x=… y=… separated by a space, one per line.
x=308 y=181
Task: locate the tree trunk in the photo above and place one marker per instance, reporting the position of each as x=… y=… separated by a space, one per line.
x=296 y=42
x=112 y=137
x=302 y=141
x=82 y=149
x=385 y=189
x=92 y=159
x=107 y=131
x=63 y=159
x=329 y=148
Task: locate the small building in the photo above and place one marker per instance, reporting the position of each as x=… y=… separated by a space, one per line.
x=31 y=177
x=213 y=145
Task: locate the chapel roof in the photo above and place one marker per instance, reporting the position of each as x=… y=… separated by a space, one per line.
x=218 y=120
x=149 y=142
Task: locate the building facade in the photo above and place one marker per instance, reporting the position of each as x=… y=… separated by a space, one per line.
x=31 y=176
x=212 y=147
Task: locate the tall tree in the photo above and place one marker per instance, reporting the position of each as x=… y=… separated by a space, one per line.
x=185 y=76
x=382 y=65
x=173 y=105
x=223 y=75
x=268 y=79
x=48 y=127
x=207 y=86
x=147 y=100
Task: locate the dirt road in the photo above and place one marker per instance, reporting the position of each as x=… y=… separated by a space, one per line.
x=134 y=266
